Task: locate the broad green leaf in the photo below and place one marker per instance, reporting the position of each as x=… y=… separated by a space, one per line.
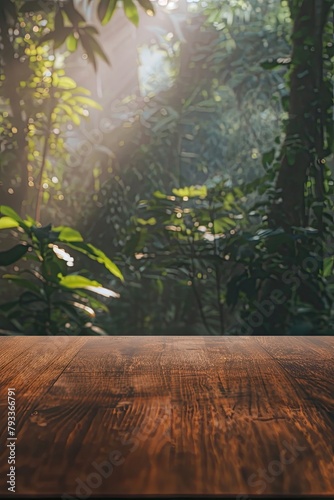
x=74 y=281
x=131 y=11
x=8 y=223
x=96 y=254
x=67 y=234
x=8 y=257
x=5 y=210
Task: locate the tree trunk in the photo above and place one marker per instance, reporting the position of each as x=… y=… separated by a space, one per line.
x=301 y=143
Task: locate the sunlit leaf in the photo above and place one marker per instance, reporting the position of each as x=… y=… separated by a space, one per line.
x=67 y=234
x=96 y=254
x=106 y=292
x=131 y=11
x=8 y=222
x=74 y=281
x=5 y=210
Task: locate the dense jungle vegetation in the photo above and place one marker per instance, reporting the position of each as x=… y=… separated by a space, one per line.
x=166 y=167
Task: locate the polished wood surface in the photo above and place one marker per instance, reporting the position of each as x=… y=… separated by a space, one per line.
x=169 y=415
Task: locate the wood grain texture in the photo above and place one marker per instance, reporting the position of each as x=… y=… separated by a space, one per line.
x=170 y=415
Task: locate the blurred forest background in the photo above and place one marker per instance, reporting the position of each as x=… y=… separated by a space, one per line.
x=166 y=167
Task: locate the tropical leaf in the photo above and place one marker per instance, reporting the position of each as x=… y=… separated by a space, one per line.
x=96 y=254
x=8 y=257
x=67 y=234
x=8 y=223
x=73 y=281
x=131 y=11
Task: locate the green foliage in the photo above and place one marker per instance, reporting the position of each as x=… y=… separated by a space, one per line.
x=54 y=301
x=211 y=127
x=71 y=27
x=178 y=248
x=273 y=264
x=183 y=200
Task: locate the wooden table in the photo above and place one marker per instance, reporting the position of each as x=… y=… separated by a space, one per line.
x=169 y=415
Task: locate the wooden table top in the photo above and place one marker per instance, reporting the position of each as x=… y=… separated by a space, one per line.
x=238 y=416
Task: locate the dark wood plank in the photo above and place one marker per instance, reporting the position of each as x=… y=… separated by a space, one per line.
x=32 y=373
x=297 y=347
x=313 y=371
x=191 y=415
x=12 y=347
x=325 y=343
